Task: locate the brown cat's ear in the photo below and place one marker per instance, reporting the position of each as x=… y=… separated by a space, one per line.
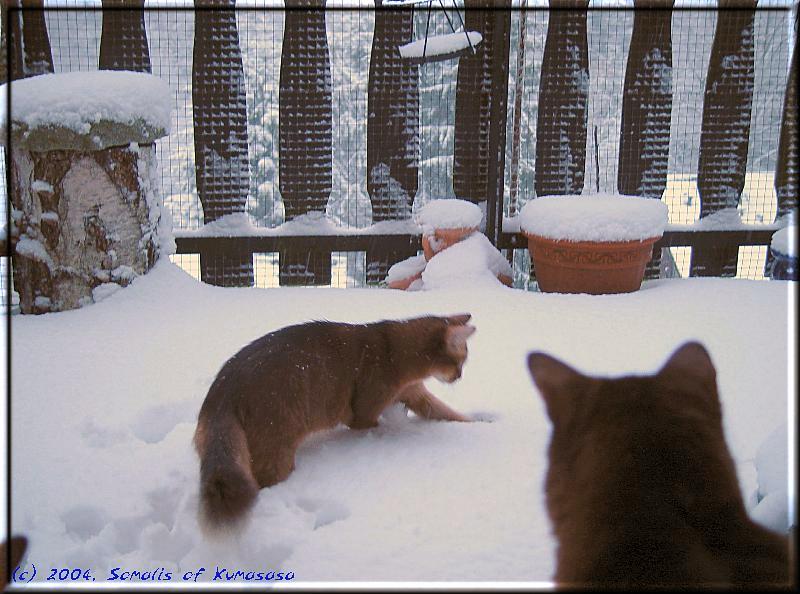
x=692 y=361
x=456 y=338
x=558 y=384
x=459 y=319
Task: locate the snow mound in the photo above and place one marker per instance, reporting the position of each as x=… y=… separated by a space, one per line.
x=406 y=269
x=231 y=225
x=78 y=101
x=772 y=463
x=471 y=262
x=449 y=213
x=594 y=217
x=722 y=220
x=784 y=241
x=440 y=44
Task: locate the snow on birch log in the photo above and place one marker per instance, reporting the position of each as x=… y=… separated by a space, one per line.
x=84 y=191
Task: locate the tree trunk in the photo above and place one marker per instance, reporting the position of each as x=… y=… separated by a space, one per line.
x=725 y=133
x=87 y=222
x=647 y=108
x=220 y=133
x=123 y=41
x=305 y=133
x=563 y=97
x=393 y=134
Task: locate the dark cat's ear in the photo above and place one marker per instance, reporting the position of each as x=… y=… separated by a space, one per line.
x=558 y=383
x=459 y=319
x=692 y=362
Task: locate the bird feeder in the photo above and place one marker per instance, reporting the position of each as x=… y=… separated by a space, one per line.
x=436 y=48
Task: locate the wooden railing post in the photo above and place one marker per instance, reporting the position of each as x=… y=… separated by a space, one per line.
x=563 y=98
x=647 y=108
x=725 y=133
x=30 y=45
x=498 y=117
x=474 y=87
x=220 y=132
x=787 y=169
x=787 y=173
x=3 y=44
x=393 y=133
x=305 y=132
x=123 y=41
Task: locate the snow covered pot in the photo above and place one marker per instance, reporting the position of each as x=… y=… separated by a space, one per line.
x=592 y=244
x=84 y=184
x=784 y=248
x=446 y=222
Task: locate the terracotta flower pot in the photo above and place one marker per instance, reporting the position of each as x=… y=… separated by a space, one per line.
x=443 y=239
x=591 y=267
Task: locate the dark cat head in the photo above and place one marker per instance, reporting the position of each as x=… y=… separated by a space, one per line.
x=685 y=385
x=626 y=453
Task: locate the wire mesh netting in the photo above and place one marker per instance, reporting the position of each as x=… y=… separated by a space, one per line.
x=75 y=36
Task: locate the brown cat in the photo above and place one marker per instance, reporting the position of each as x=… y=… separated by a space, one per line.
x=641 y=489
x=283 y=386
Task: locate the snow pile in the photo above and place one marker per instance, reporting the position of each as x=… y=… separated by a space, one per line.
x=77 y=100
x=784 y=241
x=311 y=223
x=472 y=262
x=105 y=476
x=233 y=225
x=449 y=213
x=723 y=220
x=772 y=463
x=406 y=269
x=439 y=45
x=594 y=217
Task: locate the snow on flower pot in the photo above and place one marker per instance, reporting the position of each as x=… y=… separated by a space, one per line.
x=446 y=222
x=594 y=244
x=87 y=214
x=784 y=248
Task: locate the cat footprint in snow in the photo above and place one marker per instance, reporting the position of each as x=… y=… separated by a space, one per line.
x=324 y=512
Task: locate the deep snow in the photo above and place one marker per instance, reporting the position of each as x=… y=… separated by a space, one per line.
x=105 y=400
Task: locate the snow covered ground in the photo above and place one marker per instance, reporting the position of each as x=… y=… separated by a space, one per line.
x=104 y=403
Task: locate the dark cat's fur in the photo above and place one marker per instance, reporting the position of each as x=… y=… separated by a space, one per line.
x=274 y=392
x=11 y=554
x=641 y=489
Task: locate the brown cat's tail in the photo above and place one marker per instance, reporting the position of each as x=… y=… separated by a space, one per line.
x=228 y=488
